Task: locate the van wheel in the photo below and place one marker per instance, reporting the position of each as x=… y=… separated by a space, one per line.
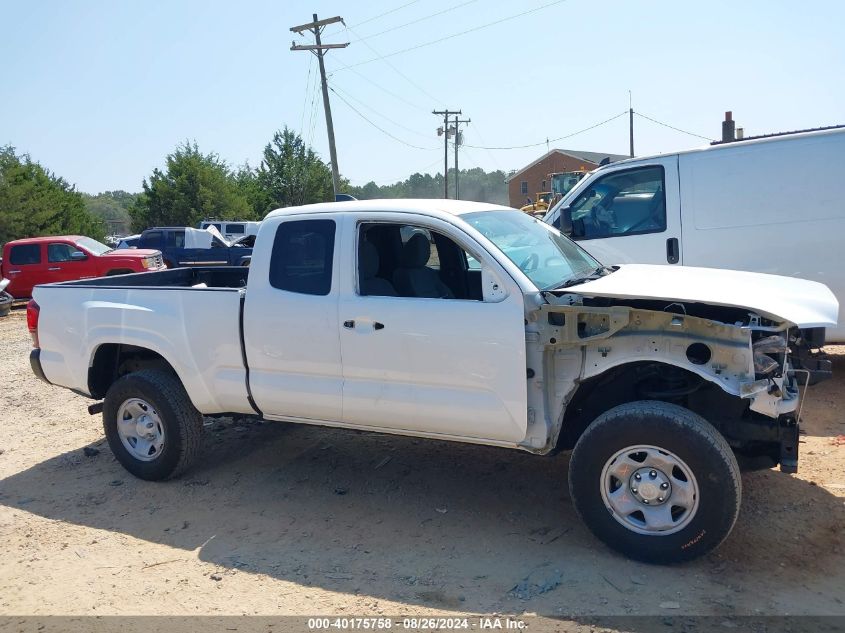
x=656 y=482
x=151 y=425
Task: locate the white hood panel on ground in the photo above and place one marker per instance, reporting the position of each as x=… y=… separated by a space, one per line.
x=804 y=303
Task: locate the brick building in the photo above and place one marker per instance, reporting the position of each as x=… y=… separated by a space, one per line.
x=534 y=178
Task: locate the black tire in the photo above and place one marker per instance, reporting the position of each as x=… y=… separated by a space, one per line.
x=689 y=437
x=182 y=423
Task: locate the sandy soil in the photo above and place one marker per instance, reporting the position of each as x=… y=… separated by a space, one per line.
x=285 y=519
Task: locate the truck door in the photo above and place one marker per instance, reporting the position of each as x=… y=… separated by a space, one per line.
x=25 y=268
x=62 y=267
x=630 y=215
x=290 y=322
x=423 y=350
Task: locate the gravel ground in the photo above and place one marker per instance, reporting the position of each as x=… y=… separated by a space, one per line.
x=282 y=519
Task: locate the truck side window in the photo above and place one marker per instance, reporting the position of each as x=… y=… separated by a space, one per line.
x=411 y=261
x=630 y=202
x=302 y=256
x=60 y=252
x=151 y=239
x=24 y=254
x=235 y=229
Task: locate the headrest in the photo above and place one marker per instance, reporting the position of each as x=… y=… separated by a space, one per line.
x=416 y=251
x=367 y=260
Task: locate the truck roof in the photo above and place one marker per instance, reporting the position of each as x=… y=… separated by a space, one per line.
x=408 y=205
x=47 y=238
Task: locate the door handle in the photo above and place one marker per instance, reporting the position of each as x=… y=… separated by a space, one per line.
x=673 y=254
x=349 y=324
x=378 y=326
x=55 y=268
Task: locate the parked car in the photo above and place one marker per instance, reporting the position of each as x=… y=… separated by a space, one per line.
x=130 y=241
x=184 y=246
x=232 y=229
x=43 y=260
x=456 y=321
x=768 y=205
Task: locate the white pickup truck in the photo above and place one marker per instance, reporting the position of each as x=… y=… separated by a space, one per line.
x=456 y=321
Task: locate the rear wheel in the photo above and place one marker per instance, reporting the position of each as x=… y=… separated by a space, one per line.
x=655 y=481
x=152 y=428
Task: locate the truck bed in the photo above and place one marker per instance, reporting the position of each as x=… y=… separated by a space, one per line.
x=199 y=278
x=191 y=317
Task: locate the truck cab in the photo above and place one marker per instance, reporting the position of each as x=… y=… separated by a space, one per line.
x=184 y=246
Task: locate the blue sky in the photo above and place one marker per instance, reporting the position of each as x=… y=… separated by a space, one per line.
x=101 y=91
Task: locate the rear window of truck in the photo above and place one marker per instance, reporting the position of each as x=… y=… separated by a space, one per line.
x=23 y=254
x=302 y=256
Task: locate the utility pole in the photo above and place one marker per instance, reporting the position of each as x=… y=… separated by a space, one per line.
x=316 y=27
x=631 y=122
x=444 y=132
x=457 y=144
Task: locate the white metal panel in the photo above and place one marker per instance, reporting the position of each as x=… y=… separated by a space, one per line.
x=291 y=339
x=804 y=303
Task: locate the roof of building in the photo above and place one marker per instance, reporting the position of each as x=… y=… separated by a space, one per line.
x=590 y=157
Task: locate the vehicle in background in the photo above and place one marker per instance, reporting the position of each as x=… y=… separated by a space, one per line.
x=768 y=204
x=5 y=298
x=458 y=321
x=130 y=241
x=185 y=246
x=542 y=201
x=43 y=260
x=564 y=181
x=232 y=229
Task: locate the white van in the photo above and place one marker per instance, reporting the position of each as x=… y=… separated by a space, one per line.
x=772 y=204
x=232 y=229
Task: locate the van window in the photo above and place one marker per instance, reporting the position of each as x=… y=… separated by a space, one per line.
x=302 y=256
x=629 y=202
x=235 y=229
x=24 y=254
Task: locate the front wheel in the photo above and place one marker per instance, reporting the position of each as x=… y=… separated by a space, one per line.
x=656 y=482
x=151 y=425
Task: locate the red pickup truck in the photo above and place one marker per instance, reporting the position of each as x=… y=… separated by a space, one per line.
x=43 y=260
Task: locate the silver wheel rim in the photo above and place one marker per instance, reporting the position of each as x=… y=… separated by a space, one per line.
x=649 y=490
x=140 y=429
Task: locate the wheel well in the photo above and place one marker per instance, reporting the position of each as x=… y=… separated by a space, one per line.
x=628 y=383
x=113 y=360
x=119 y=271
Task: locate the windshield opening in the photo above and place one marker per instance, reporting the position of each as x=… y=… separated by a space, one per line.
x=92 y=246
x=545 y=256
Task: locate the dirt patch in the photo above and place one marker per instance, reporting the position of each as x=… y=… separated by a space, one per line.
x=285 y=519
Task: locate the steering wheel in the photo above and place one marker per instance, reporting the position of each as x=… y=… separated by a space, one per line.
x=530 y=263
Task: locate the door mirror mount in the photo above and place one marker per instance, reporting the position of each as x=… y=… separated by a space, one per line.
x=492 y=288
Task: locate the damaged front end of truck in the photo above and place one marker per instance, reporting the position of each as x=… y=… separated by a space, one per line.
x=744 y=371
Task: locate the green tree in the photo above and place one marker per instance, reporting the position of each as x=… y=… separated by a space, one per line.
x=112 y=207
x=35 y=202
x=194 y=186
x=292 y=174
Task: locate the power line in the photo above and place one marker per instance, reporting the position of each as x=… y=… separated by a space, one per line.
x=334 y=86
x=382 y=88
x=305 y=100
x=397 y=71
x=448 y=37
x=422 y=19
x=672 y=127
x=559 y=138
x=381 y=15
x=380 y=129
